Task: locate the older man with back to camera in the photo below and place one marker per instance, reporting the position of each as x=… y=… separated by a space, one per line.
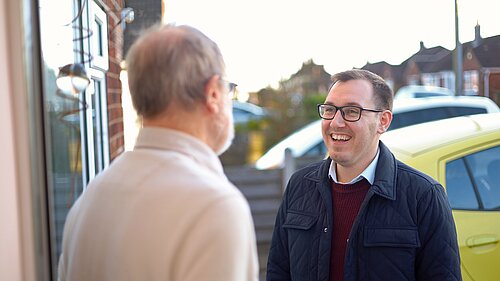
x=166 y=211
x=361 y=214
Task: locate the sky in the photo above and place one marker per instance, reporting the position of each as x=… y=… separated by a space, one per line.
x=265 y=41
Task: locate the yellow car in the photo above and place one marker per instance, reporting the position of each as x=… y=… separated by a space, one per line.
x=463 y=154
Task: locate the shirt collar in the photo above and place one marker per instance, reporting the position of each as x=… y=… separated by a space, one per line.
x=368 y=173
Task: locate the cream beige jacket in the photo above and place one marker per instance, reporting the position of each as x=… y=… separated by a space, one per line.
x=164 y=211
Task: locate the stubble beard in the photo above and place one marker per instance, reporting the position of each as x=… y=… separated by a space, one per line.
x=229 y=134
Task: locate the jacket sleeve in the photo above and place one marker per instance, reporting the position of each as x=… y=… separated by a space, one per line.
x=278 y=266
x=438 y=258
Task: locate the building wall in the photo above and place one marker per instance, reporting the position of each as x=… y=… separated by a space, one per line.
x=114 y=86
x=147 y=13
x=411 y=74
x=470 y=62
x=495 y=87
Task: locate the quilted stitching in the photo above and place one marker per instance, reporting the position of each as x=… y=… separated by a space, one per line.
x=421 y=206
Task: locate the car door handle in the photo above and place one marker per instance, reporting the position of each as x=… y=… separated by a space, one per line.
x=478 y=241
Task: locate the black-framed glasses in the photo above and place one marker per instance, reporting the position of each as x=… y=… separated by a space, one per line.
x=350 y=113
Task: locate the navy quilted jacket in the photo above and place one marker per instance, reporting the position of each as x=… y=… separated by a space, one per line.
x=404 y=229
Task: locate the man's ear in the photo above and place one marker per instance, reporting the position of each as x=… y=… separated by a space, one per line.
x=385 y=121
x=213 y=94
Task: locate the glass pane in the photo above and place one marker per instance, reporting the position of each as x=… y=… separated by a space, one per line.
x=97 y=123
x=404 y=119
x=459 y=186
x=100 y=51
x=60 y=46
x=95 y=126
x=485 y=167
x=462 y=111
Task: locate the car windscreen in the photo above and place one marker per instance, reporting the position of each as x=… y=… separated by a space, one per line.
x=404 y=119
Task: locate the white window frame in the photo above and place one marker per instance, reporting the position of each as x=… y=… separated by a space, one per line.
x=98 y=17
x=431 y=79
x=97 y=67
x=98 y=76
x=448 y=78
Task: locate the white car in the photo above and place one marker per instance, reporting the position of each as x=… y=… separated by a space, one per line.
x=419 y=91
x=308 y=141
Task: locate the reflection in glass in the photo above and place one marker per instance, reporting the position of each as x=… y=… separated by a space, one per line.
x=485 y=170
x=459 y=186
x=63 y=115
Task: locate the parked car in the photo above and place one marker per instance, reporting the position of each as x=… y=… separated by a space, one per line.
x=463 y=154
x=419 y=110
x=419 y=91
x=308 y=141
x=243 y=112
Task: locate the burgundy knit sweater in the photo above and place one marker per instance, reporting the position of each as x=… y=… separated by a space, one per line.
x=347 y=199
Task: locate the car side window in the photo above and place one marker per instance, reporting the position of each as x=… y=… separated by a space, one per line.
x=459 y=187
x=485 y=172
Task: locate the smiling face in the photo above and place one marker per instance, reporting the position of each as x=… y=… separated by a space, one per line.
x=353 y=145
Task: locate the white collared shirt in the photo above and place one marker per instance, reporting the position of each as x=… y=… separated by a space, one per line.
x=368 y=173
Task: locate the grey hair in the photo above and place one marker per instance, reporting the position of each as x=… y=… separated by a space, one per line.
x=382 y=92
x=171 y=64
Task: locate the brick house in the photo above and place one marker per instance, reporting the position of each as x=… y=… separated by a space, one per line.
x=482 y=66
x=391 y=73
x=113 y=83
x=434 y=66
x=309 y=80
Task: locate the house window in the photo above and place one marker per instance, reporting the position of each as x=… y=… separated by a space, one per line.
x=98 y=120
x=431 y=79
x=471 y=82
x=99 y=38
x=76 y=126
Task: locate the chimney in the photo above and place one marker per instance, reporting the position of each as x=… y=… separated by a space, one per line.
x=477 y=37
x=478 y=31
x=422 y=47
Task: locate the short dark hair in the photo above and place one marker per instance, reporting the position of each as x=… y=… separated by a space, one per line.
x=382 y=92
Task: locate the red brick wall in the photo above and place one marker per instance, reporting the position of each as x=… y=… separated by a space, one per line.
x=411 y=70
x=495 y=87
x=471 y=62
x=113 y=83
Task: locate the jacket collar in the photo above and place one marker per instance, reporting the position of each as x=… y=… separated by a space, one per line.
x=385 y=174
x=172 y=140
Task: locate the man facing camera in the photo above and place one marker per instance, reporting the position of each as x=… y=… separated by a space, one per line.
x=361 y=214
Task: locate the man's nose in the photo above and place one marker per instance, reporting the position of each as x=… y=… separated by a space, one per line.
x=338 y=119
